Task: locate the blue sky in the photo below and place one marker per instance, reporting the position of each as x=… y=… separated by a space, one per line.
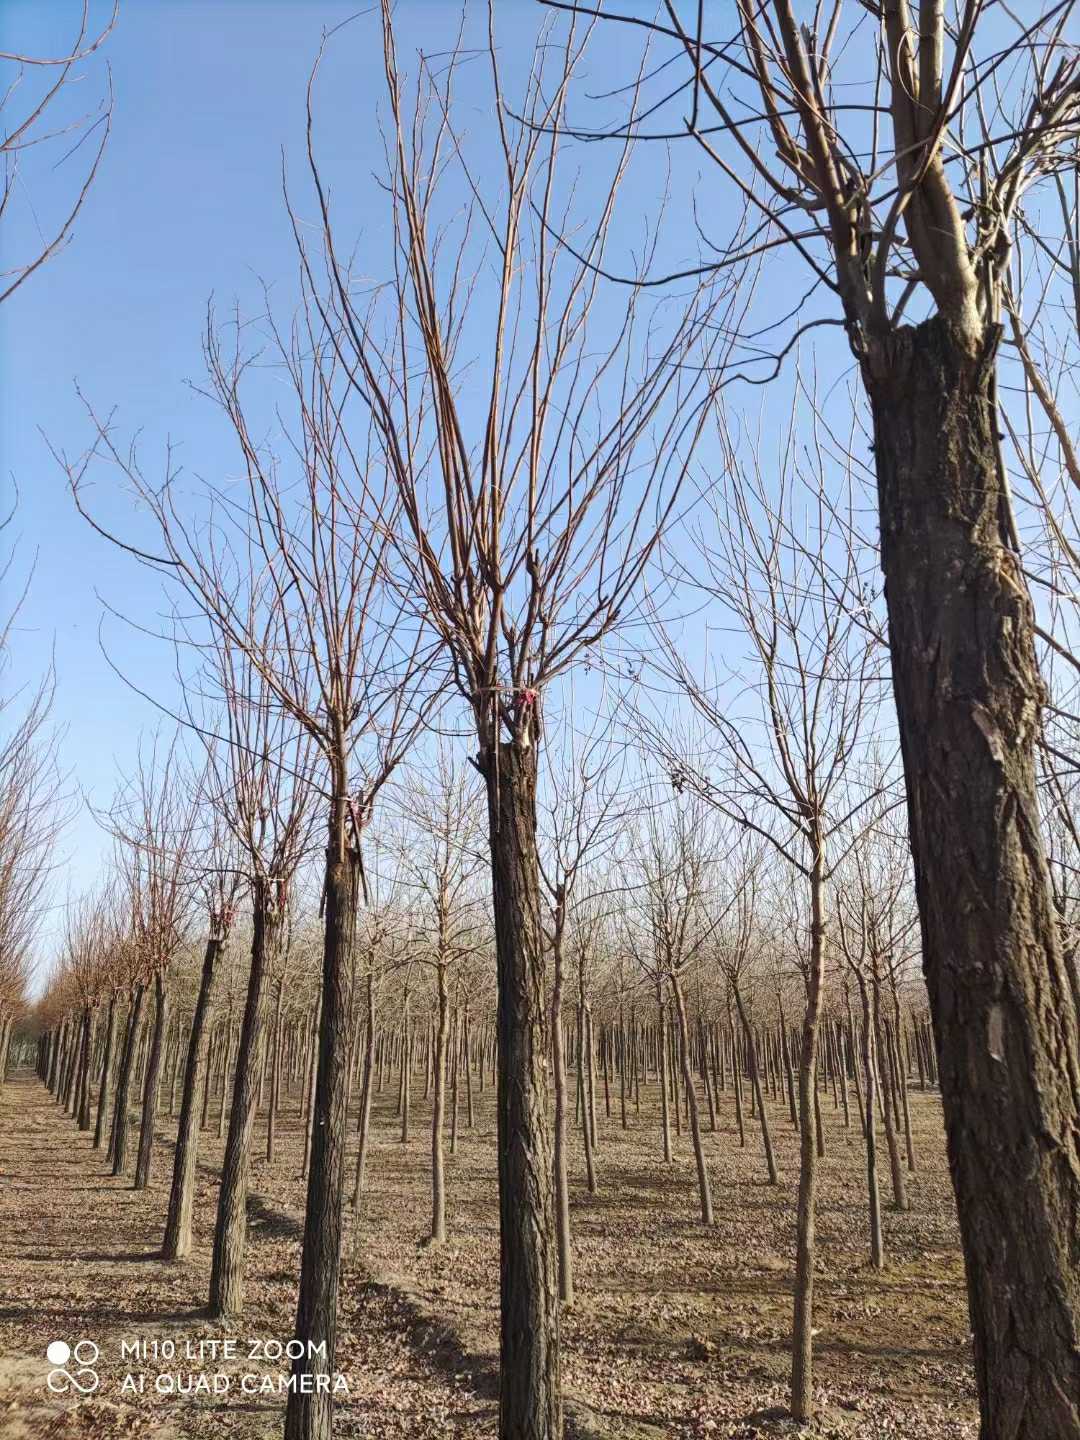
x=187 y=206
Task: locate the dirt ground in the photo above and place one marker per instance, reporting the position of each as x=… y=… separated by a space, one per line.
x=676 y=1330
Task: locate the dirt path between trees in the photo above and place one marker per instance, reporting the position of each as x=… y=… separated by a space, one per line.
x=676 y=1331
x=78 y=1261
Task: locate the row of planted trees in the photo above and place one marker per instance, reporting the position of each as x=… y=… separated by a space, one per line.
x=698 y=1036
x=413 y=537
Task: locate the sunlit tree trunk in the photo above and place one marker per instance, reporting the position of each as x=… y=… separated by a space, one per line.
x=177 y=1241
x=230 y=1231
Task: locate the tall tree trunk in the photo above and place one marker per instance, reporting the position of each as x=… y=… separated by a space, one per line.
x=438 y=1115
x=312 y=1076
x=121 y=1116
x=177 y=1241
x=364 y=1122
x=151 y=1084
x=230 y=1228
x=661 y=1048
x=877 y=1240
x=584 y=1065
x=82 y=1103
x=106 y=1067
x=704 y=1188
x=755 y=1078
x=968 y=696
x=802 y=1336
x=467 y=1044
x=226 y=1058
x=896 y=1167
x=901 y=1079
x=736 y=1079
x=405 y=1091
x=54 y=1057
x=558 y=1071
x=530 y=1403
x=309 y=1416
x=275 y=1073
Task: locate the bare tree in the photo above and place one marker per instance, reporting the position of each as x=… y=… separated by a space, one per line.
x=260 y=783
x=736 y=948
x=33 y=810
x=153 y=820
x=439 y=861
x=219 y=884
x=782 y=771
x=522 y=532
x=678 y=897
x=342 y=664
x=45 y=118
x=582 y=807
x=920 y=198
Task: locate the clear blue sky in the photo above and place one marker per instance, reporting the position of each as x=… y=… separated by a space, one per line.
x=187 y=205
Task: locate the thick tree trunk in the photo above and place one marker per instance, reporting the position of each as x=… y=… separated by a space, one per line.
x=308 y=1416
x=177 y=1241
x=230 y=1228
x=151 y=1085
x=530 y=1405
x=968 y=695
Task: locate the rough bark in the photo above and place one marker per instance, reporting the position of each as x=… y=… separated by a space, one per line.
x=310 y=1416
x=364 y=1121
x=121 y=1117
x=275 y=1073
x=755 y=1078
x=558 y=1069
x=802 y=1328
x=177 y=1241
x=704 y=1188
x=82 y=1103
x=152 y=1084
x=661 y=1047
x=968 y=696
x=106 y=1068
x=230 y=1229
x=438 y=1115
x=530 y=1402
x=877 y=1241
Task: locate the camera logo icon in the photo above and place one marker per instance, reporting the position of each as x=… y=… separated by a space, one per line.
x=82 y=1377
